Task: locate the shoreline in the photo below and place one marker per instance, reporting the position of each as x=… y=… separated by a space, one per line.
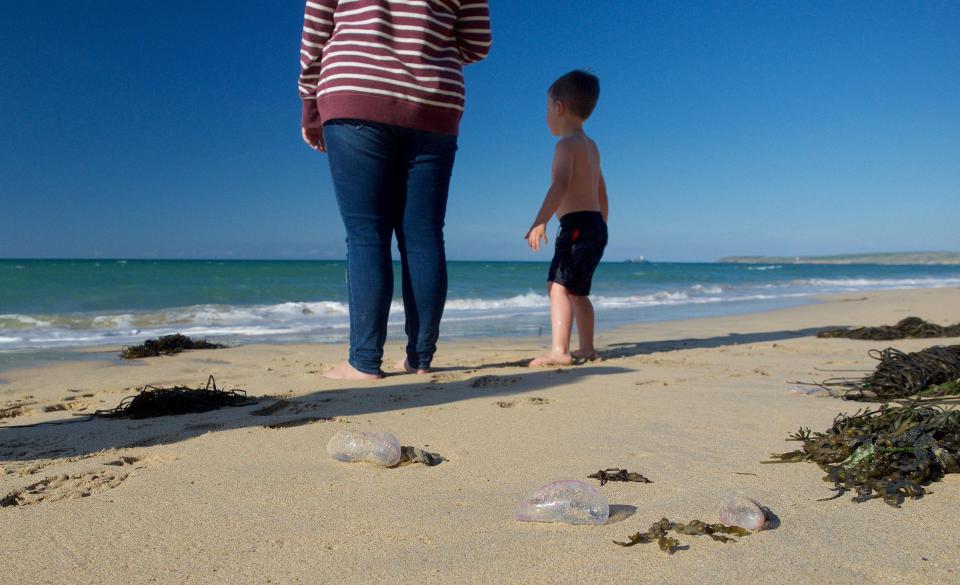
x=50 y=309
x=42 y=357
x=48 y=356
x=694 y=405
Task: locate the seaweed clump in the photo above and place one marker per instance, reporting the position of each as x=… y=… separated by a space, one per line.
x=153 y=401
x=890 y=453
x=911 y=327
x=933 y=371
x=415 y=455
x=166 y=345
x=617 y=474
x=659 y=533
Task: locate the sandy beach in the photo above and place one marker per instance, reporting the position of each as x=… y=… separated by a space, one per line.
x=220 y=497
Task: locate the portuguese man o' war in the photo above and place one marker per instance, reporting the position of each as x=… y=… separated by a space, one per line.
x=568 y=501
x=373 y=447
x=742 y=512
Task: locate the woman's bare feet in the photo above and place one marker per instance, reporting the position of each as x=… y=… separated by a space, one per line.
x=552 y=359
x=345 y=371
x=587 y=356
x=404 y=366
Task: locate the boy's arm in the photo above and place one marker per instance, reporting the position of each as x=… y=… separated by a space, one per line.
x=317 y=28
x=561 y=172
x=473 y=31
x=602 y=197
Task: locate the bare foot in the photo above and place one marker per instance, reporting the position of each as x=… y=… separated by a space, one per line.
x=585 y=355
x=552 y=359
x=404 y=366
x=345 y=371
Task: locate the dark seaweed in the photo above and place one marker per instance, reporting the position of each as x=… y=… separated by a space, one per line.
x=415 y=455
x=166 y=345
x=617 y=474
x=934 y=371
x=659 y=533
x=911 y=327
x=889 y=453
x=154 y=401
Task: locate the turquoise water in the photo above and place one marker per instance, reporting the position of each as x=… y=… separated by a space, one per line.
x=56 y=304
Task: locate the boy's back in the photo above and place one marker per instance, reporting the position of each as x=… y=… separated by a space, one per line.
x=579 y=159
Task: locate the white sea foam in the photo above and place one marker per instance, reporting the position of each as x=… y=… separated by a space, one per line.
x=710 y=290
x=328 y=320
x=528 y=300
x=771 y=267
x=112 y=321
x=21 y=321
x=874 y=283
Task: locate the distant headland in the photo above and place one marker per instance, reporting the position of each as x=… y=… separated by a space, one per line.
x=879 y=258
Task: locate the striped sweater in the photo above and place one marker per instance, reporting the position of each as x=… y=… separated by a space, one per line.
x=392 y=61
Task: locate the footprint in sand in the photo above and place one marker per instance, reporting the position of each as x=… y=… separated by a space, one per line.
x=288 y=407
x=535 y=401
x=276 y=408
x=68 y=403
x=282 y=407
x=61 y=487
x=442 y=378
x=79 y=485
x=491 y=381
x=15 y=408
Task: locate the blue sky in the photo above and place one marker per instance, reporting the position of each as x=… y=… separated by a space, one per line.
x=170 y=129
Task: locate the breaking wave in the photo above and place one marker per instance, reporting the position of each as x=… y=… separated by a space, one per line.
x=329 y=320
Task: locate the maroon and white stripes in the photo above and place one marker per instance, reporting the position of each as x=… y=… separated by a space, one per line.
x=391 y=61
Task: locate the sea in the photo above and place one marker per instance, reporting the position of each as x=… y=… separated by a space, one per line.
x=48 y=307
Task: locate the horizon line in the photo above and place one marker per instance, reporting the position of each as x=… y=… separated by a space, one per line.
x=214 y=259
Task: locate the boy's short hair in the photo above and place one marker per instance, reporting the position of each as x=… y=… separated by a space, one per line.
x=579 y=90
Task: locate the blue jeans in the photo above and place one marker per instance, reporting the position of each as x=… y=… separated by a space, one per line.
x=391 y=179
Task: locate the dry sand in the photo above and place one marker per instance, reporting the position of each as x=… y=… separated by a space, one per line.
x=693 y=405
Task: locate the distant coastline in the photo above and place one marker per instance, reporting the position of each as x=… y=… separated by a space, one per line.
x=893 y=258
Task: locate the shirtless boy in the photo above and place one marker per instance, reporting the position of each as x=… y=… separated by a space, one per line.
x=578 y=197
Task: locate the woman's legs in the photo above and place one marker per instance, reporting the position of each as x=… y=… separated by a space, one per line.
x=364 y=163
x=430 y=158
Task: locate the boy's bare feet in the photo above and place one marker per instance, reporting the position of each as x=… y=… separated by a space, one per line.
x=345 y=371
x=552 y=359
x=404 y=366
x=588 y=356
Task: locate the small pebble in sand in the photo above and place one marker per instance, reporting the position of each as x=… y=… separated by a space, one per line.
x=567 y=501
x=373 y=447
x=743 y=512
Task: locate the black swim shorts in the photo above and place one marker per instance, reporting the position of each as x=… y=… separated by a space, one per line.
x=579 y=247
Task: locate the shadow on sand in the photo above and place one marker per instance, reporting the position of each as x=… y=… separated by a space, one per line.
x=620 y=350
x=447 y=385
x=82 y=436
